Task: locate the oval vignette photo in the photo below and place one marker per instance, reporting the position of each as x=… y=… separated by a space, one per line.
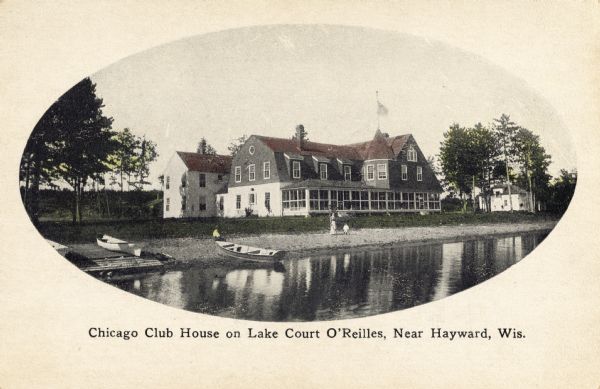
x=298 y=172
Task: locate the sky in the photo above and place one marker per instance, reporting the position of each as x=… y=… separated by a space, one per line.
x=266 y=80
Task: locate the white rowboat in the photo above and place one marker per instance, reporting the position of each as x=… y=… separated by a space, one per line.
x=114 y=244
x=250 y=253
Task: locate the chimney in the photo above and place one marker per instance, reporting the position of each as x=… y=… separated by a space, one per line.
x=300 y=134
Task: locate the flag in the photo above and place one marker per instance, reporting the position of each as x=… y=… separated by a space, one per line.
x=381 y=109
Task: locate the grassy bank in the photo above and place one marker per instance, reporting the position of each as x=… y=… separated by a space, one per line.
x=65 y=232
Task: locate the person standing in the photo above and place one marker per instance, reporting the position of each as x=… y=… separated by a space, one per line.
x=332 y=225
x=216 y=235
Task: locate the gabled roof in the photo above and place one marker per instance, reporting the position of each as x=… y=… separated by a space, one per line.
x=380 y=147
x=513 y=189
x=206 y=163
x=309 y=148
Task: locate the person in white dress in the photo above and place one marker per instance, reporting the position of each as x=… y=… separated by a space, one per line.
x=332 y=225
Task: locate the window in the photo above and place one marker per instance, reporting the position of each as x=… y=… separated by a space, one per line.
x=183 y=203
x=220 y=177
x=296 y=169
x=168 y=183
x=251 y=172
x=419 y=173
x=251 y=198
x=404 y=173
x=378 y=200
x=382 y=171
x=238 y=174
x=251 y=150
x=168 y=204
x=238 y=201
x=408 y=200
x=221 y=203
x=294 y=199
x=202 y=205
x=434 y=201
x=184 y=180
x=323 y=170
x=394 y=200
x=370 y=172
x=202 y=180
x=266 y=170
x=268 y=201
x=347 y=173
x=420 y=200
x=411 y=155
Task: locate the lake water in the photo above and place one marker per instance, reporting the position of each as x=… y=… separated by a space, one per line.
x=342 y=285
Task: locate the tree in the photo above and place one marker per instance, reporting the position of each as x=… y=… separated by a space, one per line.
x=486 y=151
x=533 y=162
x=457 y=160
x=79 y=139
x=237 y=144
x=505 y=130
x=147 y=155
x=435 y=168
x=562 y=190
x=205 y=148
x=122 y=159
x=301 y=133
x=37 y=160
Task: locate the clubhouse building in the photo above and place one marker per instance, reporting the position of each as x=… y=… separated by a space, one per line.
x=278 y=177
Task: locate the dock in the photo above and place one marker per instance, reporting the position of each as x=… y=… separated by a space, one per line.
x=96 y=260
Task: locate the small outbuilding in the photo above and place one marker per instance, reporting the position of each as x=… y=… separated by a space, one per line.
x=500 y=199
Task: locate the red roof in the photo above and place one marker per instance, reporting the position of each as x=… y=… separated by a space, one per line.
x=206 y=163
x=380 y=147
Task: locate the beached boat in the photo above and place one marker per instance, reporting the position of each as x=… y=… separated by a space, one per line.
x=250 y=253
x=114 y=244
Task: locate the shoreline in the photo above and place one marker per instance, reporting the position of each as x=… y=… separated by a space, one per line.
x=203 y=252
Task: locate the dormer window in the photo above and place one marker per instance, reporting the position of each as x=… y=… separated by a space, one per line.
x=382 y=171
x=296 y=169
x=347 y=173
x=323 y=170
x=411 y=155
x=370 y=172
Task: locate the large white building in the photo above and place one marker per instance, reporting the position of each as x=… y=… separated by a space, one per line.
x=191 y=182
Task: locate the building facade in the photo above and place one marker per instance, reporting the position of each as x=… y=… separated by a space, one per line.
x=191 y=182
x=500 y=199
x=278 y=177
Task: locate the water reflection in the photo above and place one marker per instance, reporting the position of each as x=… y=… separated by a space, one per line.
x=343 y=285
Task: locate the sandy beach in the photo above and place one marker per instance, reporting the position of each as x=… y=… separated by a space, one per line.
x=204 y=251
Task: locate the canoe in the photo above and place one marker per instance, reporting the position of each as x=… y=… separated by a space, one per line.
x=242 y=251
x=114 y=244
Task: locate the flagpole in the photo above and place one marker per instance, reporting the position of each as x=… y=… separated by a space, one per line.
x=378 y=116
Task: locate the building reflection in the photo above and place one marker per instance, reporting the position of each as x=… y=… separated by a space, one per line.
x=342 y=285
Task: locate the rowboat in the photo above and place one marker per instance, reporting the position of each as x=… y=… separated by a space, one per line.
x=242 y=251
x=114 y=244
